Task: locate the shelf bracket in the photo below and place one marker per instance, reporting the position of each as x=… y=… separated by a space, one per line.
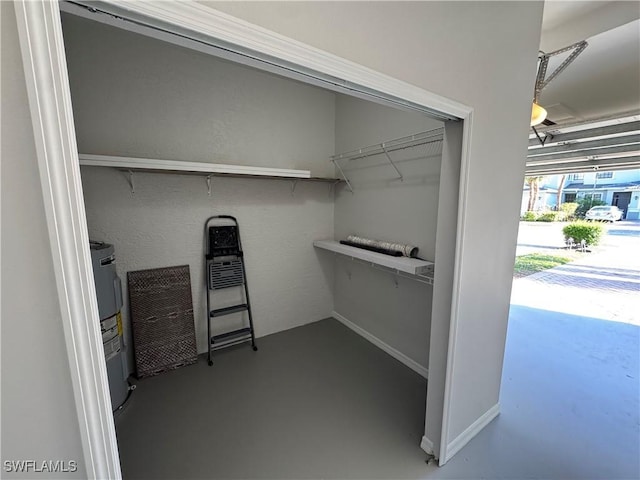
x=346 y=180
x=332 y=186
x=294 y=183
x=384 y=149
x=131 y=182
x=209 y=185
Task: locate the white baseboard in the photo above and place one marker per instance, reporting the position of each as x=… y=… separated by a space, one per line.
x=427 y=445
x=461 y=440
x=401 y=357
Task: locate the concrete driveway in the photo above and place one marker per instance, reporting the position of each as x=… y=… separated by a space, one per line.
x=571 y=375
x=604 y=283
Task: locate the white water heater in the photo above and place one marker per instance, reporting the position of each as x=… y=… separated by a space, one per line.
x=109 y=296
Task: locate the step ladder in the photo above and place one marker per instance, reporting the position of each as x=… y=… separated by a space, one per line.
x=224 y=267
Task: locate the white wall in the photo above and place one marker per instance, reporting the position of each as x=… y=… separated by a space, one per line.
x=133 y=95
x=382 y=207
x=38 y=410
x=137 y=96
x=162 y=223
x=482 y=54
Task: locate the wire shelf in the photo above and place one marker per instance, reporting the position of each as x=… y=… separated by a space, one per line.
x=431 y=139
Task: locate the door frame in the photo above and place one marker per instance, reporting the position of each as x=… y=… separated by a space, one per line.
x=44 y=61
x=614 y=201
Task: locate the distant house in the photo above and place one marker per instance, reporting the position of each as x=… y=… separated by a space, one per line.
x=620 y=188
x=547 y=194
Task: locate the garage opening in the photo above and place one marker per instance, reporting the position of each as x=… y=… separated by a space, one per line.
x=571 y=362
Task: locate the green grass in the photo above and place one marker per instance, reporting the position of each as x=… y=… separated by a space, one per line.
x=536 y=262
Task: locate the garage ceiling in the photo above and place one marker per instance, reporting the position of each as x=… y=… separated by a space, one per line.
x=612 y=144
x=595 y=102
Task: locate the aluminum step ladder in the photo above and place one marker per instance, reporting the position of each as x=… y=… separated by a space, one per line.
x=224 y=267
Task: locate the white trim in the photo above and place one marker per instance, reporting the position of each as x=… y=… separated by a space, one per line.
x=45 y=65
x=426 y=445
x=397 y=354
x=445 y=455
x=255 y=43
x=180 y=166
x=472 y=430
x=45 y=68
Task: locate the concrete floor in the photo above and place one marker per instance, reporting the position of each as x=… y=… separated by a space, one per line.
x=316 y=401
x=320 y=402
x=574 y=332
x=569 y=404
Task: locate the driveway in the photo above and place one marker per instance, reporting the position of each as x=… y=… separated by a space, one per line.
x=604 y=284
x=543 y=237
x=572 y=359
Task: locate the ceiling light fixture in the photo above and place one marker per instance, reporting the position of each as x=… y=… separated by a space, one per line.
x=538 y=114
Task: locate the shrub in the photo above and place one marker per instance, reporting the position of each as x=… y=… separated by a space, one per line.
x=589 y=232
x=546 y=217
x=584 y=204
x=529 y=216
x=551 y=217
x=569 y=209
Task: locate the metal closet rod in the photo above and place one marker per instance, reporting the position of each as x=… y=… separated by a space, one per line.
x=409 y=141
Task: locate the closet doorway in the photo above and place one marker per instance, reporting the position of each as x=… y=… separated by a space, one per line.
x=75 y=282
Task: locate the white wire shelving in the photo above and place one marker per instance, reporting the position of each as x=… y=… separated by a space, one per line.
x=431 y=139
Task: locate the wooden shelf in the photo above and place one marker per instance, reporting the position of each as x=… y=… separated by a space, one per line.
x=151 y=165
x=420 y=269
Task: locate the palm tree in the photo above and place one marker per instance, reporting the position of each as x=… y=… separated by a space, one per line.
x=560 y=188
x=534 y=187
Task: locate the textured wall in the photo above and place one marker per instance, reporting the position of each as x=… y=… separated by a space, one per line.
x=383 y=207
x=38 y=415
x=133 y=95
x=162 y=223
x=141 y=97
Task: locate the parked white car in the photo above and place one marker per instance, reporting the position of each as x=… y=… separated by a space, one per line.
x=605 y=213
